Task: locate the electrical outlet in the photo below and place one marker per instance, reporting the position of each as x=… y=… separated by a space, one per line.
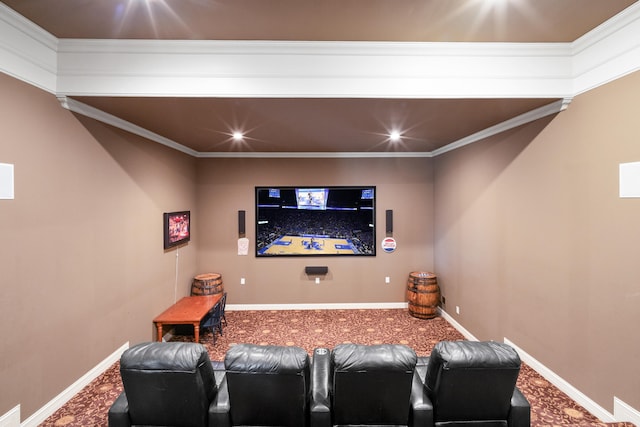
x=457 y=309
x=317 y=280
x=242 y=281
x=387 y=279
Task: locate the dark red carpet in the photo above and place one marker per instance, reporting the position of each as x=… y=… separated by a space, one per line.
x=326 y=328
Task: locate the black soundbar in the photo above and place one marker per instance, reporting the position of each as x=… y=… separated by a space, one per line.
x=316 y=270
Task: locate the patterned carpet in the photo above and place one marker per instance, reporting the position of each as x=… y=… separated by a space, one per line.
x=326 y=328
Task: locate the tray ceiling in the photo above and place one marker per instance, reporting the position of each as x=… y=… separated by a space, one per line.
x=309 y=124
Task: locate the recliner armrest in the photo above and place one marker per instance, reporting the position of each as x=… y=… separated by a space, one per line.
x=320 y=405
x=421 y=406
x=520 y=413
x=119 y=412
x=220 y=407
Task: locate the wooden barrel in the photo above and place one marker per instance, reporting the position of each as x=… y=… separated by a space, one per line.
x=207 y=284
x=423 y=294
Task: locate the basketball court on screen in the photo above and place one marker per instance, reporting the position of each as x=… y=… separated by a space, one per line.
x=307 y=245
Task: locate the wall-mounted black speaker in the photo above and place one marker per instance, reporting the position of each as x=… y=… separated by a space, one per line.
x=316 y=270
x=389 y=222
x=241 y=228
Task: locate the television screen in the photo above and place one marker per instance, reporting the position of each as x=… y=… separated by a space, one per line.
x=177 y=228
x=315 y=221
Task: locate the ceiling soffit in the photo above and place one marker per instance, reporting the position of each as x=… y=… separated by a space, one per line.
x=365 y=70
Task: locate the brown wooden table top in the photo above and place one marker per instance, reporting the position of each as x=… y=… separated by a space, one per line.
x=188 y=309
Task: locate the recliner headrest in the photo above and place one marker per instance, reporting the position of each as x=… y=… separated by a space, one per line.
x=474 y=354
x=266 y=359
x=449 y=357
x=164 y=356
x=383 y=357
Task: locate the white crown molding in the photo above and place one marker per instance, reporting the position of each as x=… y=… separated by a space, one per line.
x=27 y=52
x=530 y=116
x=101 y=116
x=307 y=69
x=306 y=48
x=608 y=52
x=313 y=155
x=312 y=69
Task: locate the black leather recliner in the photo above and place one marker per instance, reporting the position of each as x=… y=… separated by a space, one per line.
x=474 y=383
x=264 y=386
x=356 y=385
x=165 y=384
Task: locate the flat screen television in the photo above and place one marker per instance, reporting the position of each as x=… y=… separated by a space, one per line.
x=177 y=228
x=315 y=221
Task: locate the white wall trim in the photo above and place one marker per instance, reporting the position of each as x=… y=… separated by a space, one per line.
x=319 y=306
x=57 y=402
x=101 y=116
x=313 y=69
x=608 y=52
x=416 y=69
x=351 y=69
x=314 y=155
x=468 y=335
x=28 y=52
x=530 y=116
x=11 y=418
x=623 y=412
x=563 y=385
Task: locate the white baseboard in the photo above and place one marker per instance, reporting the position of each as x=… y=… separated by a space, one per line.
x=321 y=306
x=564 y=386
x=623 y=412
x=468 y=335
x=11 y=418
x=57 y=402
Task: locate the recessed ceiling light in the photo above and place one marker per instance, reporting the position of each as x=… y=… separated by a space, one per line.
x=237 y=136
x=394 y=136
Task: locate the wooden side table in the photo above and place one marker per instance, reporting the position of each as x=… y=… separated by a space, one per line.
x=187 y=311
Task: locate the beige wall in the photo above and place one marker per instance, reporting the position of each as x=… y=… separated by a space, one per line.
x=525 y=231
x=228 y=185
x=534 y=244
x=82 y=268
